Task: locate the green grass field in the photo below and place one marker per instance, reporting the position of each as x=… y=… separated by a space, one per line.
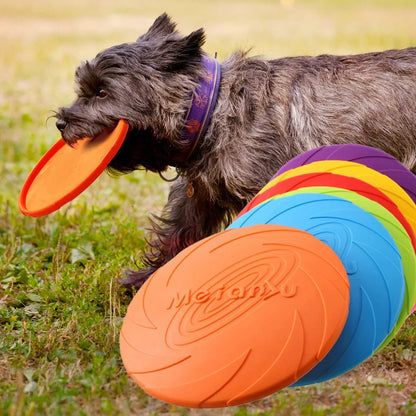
x=61 y=307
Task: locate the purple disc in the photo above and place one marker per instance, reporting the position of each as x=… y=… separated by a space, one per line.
x=369 y=156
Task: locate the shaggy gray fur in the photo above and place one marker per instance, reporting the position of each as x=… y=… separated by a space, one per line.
x=267 y=112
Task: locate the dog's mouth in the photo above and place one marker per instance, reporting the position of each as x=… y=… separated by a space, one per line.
x=90 y=136
x=74 y=130
x=141 y=149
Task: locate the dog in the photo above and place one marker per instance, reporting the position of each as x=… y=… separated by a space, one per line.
x=261 y=114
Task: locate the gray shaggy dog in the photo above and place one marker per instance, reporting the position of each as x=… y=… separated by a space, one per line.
x=266 y=112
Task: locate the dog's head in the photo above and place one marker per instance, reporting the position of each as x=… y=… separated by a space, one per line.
x=148 y=83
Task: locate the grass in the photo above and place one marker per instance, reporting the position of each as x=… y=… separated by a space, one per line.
x=60 y=304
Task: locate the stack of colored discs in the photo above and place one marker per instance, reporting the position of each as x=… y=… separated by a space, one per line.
x=316 y=274
x=382 y=189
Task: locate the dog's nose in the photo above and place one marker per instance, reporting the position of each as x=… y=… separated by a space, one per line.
x=61 y=124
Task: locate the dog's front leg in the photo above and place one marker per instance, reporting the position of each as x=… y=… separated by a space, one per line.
x=185 y=219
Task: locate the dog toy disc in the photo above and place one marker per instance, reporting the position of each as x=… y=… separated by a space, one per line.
x=235 y=317
x=369 y=156
x=371 y=259
x=332 y=180
x=64 y=172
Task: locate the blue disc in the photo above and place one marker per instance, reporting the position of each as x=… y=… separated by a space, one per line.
x=371 y=259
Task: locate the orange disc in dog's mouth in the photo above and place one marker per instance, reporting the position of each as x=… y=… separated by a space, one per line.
x=64 y=172
x=235 y=317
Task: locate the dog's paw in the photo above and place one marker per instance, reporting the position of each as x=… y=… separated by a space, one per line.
x=136 y=278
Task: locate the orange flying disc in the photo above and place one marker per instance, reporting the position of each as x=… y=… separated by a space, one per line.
x=235 y=317
x=64 y=172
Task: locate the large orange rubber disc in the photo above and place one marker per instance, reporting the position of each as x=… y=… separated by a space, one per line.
x=64 y=172
x=235 y=317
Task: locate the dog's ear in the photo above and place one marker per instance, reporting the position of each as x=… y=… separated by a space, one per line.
x=164 y=49
x=177 y=54
x=162 y=27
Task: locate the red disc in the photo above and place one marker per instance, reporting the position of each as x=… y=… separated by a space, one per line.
x=235 y=317
x=64 y=172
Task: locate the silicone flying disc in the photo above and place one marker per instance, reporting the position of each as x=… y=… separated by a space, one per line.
x=333 y=180
x=235 y=317
x=358 y=171
x=64 y=172
x=399 y=235
x=369 y=156
x=371 y=259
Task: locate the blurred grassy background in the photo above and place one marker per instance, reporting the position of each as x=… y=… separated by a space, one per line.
x=60 y=304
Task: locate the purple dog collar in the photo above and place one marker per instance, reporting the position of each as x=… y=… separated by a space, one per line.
x=203 y=103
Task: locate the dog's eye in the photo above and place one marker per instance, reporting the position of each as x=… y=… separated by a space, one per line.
x=101 y=93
